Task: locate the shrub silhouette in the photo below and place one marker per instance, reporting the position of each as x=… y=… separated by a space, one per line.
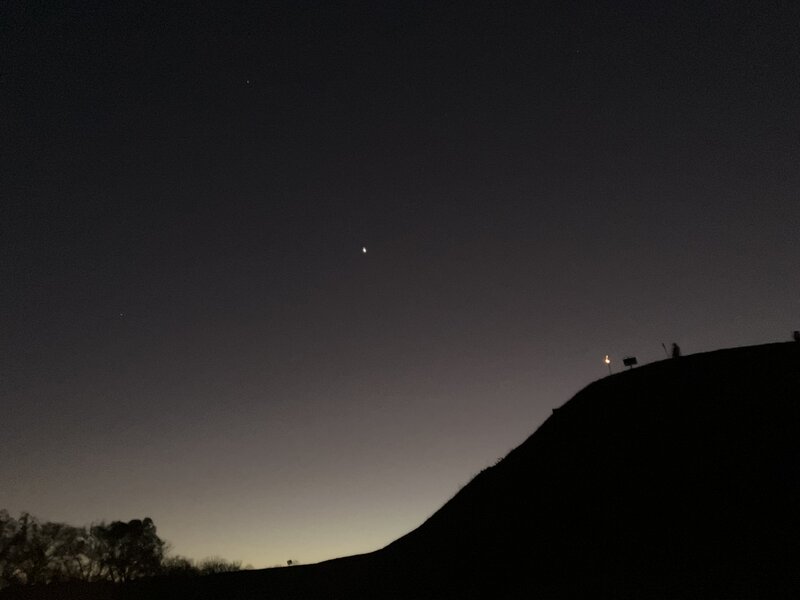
x=215 y=564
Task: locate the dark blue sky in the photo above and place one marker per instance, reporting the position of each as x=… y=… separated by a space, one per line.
x=190 y=330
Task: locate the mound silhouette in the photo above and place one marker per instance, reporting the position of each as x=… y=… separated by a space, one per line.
x=679 y=479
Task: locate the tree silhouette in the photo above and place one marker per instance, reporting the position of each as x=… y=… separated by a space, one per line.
x=34 y=552
x=129 y=550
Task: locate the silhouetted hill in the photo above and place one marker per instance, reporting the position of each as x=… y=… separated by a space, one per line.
x=679 y=479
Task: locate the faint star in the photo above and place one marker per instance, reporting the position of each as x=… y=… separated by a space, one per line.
x=363 y=249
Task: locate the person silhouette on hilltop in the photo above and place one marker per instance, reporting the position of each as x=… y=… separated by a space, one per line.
x=676 y=350
x=796 y=336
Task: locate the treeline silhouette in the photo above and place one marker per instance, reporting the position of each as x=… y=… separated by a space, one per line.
x=43 y=552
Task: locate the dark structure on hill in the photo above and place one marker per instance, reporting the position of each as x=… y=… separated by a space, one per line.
x=679 y=479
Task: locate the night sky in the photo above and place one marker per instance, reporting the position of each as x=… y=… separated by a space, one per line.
x=191 y=331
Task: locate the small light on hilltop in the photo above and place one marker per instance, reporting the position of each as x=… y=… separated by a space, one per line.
x=608 y=363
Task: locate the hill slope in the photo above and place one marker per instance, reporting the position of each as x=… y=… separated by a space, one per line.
x=679 y=476
x=676 y=479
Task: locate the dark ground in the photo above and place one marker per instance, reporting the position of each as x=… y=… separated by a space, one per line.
x=679 y=479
